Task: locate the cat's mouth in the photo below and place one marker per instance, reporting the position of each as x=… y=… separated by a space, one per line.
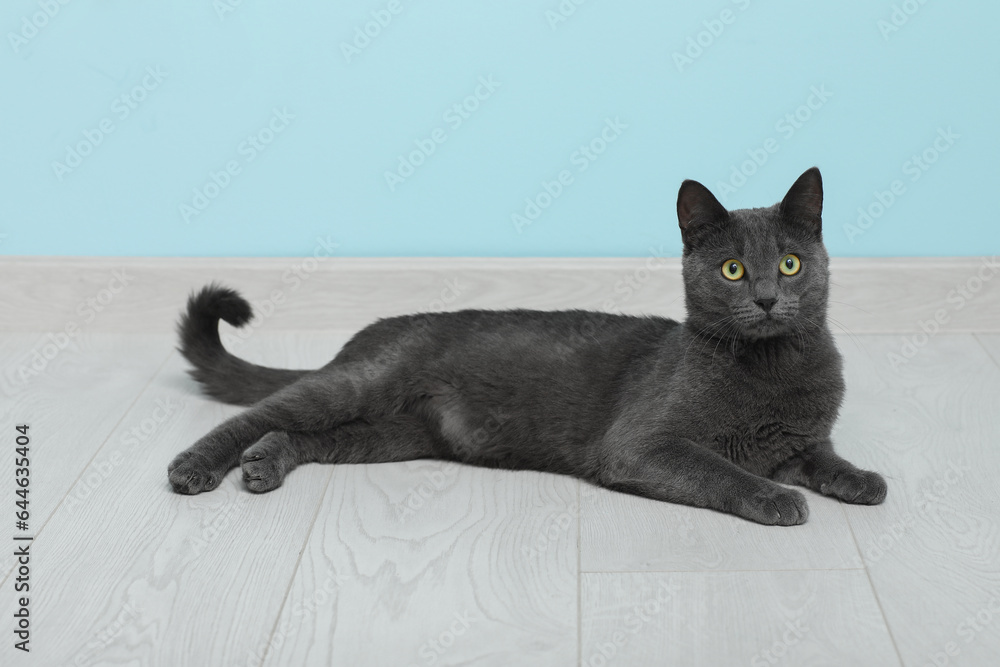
x=765 y=325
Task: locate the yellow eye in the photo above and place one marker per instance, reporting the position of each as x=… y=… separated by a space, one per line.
x=790 y=265
x=732 y=269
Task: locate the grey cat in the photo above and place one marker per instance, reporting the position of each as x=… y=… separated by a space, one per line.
x=711 y=412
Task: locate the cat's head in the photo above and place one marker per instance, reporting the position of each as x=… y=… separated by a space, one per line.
x=759 y=272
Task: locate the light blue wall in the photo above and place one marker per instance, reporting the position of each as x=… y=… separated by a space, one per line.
x=887 y=95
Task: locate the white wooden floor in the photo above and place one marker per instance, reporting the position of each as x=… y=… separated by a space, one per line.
x=426 y=563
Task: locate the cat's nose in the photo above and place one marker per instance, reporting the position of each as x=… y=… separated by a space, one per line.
x=766 y=304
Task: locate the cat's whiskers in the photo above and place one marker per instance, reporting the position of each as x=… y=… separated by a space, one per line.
x=721 y=338
x=800 y=328
x=707 y=333
x=699 y=336
x=850 y=334
x=732 y=345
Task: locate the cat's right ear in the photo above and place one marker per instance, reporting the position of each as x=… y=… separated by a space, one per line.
x=697 y=208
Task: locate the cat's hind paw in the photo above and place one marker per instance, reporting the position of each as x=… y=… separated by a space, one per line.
x=190 y=473
x=266 y=463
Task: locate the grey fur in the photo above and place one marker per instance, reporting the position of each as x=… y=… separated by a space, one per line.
x=710 y=413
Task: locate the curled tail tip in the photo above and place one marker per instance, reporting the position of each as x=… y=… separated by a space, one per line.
x=215 y=301
x=198 y=327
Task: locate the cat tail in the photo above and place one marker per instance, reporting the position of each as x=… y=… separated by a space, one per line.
x=223 y=376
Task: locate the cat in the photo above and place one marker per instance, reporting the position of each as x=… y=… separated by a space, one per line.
x=713 y=412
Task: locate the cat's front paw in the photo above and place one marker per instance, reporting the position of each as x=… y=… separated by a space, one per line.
x=190 y=473
x=774 y=506
x=858 y=487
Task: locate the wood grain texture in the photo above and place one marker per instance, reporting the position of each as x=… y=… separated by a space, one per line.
x=932 y=425
x=882 y=295
x=483 y=571
x=137 y=574
x=71 y=398
x=800 y=618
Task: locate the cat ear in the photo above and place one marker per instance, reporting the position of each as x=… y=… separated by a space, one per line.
x=696 y=206
x=804 y=202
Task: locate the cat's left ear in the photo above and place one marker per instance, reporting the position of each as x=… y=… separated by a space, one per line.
x=803 y=204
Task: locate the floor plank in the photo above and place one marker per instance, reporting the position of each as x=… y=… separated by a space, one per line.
x=71 y=398
x=933 y=549
x=139 y=574
x=732 y=618
x=482 y=572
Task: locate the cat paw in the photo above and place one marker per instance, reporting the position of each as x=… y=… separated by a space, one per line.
x=190 y=473
x=858 y=487
x=266 y=463
x=775 y=506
